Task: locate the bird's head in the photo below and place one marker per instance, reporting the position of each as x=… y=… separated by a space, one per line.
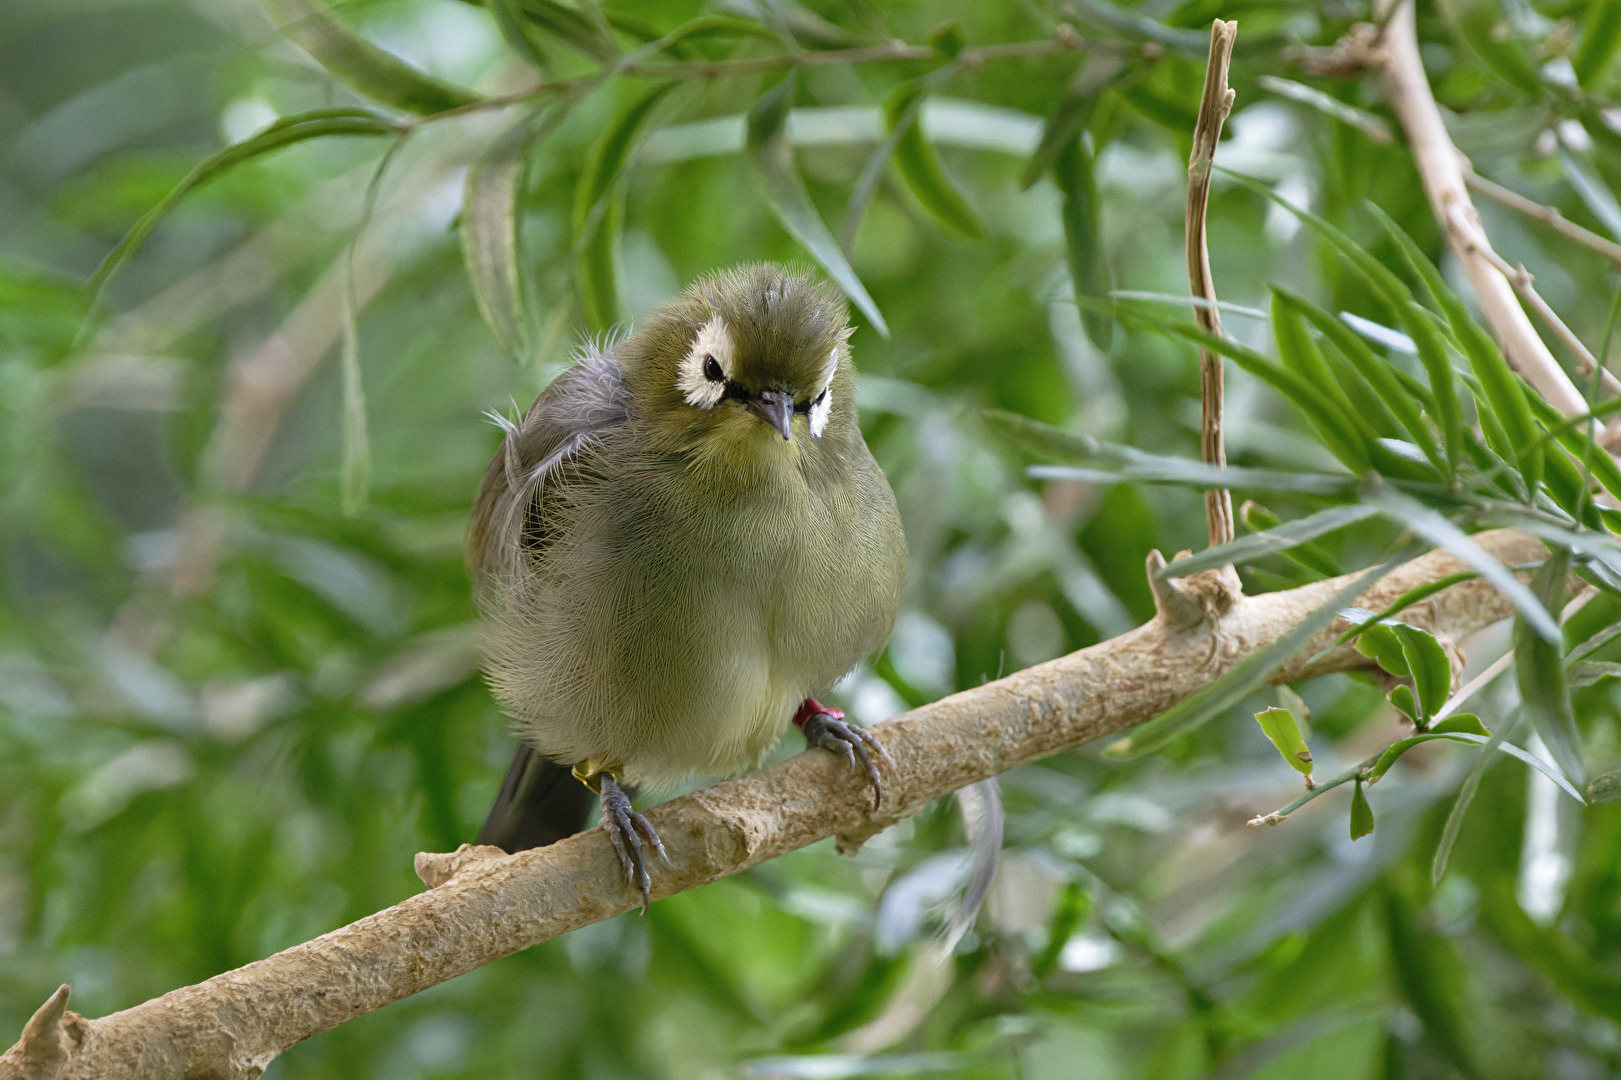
x=745 y=352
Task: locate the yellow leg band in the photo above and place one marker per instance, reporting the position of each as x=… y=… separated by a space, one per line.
x=589 y=772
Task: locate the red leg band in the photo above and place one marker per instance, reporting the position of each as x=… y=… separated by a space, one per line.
x=811 y=707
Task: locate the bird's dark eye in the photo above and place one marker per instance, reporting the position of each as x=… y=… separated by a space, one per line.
x=808 y=405
x=712 y=370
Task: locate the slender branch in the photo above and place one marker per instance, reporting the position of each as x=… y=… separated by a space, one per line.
x=1214 y=106
x=1524 y=284
x=1549 y=216
x=1440 y=167
x=1065 y=41
x=487 y=905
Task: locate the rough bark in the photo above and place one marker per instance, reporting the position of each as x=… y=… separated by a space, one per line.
x=490 y=905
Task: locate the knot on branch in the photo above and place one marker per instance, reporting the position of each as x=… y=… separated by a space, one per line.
x=1359 y=50
x=437 y=867
x=1191 y=602
x=50 y=1035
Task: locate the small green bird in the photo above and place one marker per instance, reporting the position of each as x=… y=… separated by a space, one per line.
x=683 y=540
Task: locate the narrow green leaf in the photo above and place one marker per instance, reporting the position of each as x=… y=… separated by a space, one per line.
x=598 y=210
x=354 y=474
x=1073 y=114
x=1481 y=26
x=1502 y=387
x=1131 y=464
x=1279 y=726
x=919 y=166
x=1540 y=670
x=1341 y=433
x=1243 y=679
x=1083 y=237
x=1591 y=671
x=773 y=161
x=1432 y=671
x=1605 y=789
x=1592 y=189
x=711 y=26
x=1375 y=370
x=489 y=228
x=596 y=271
x=1552 y=772
x=1578 y=439
x=509 y=18
x=1437 y=530
x=1196 y=475
x=575 y=28
x=1601 y=36
x=1460 y=807
x=1371 y=125
x=1602 y=548
x=1366 y=620
x=1361 y=814
x=284 y=132
x=1593 y=644
x=1432 y=353
x=1307 y=554
x=1508 y=748
x=1385 y=284
x=948 y=39
x=1298 y=352
x=359 y=64
x=1137 y=24
x=1396 y=749
x=1074 y=908
x=1272 y=541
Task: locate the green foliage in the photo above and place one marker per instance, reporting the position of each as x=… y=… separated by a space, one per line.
x=1282 y=731
x=238 y=661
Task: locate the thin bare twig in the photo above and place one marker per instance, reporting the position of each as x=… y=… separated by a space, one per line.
x=1549 y=216
x=1441 y=169
x=1214 y=106
x=485 y=905
x=1522 y=281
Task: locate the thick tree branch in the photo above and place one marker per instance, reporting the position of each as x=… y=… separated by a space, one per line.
x=490 y=905
x=1441 y=168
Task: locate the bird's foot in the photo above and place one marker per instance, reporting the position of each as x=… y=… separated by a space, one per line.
x=631 y=835
x=825 y=726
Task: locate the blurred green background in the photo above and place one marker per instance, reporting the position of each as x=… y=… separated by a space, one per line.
x=238 y=685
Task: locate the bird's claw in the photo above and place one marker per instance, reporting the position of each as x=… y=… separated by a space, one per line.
x=826 y=727
x=632 y=835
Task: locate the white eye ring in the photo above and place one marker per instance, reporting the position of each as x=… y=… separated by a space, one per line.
x=819 y=412
x=711 y=352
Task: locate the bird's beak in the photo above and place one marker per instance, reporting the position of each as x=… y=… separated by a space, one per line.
x=775 y=408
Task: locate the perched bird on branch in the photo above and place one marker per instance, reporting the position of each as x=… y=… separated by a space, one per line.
x=682 y=541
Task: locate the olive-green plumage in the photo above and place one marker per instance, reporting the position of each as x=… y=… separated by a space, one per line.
x=666 y=573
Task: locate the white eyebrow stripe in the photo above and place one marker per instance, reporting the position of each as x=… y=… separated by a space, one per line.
x=714 y=339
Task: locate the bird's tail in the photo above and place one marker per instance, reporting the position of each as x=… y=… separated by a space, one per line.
x=981 y=806
x=540 y=803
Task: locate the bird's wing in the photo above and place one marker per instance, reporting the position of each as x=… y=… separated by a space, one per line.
x=581 y=405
